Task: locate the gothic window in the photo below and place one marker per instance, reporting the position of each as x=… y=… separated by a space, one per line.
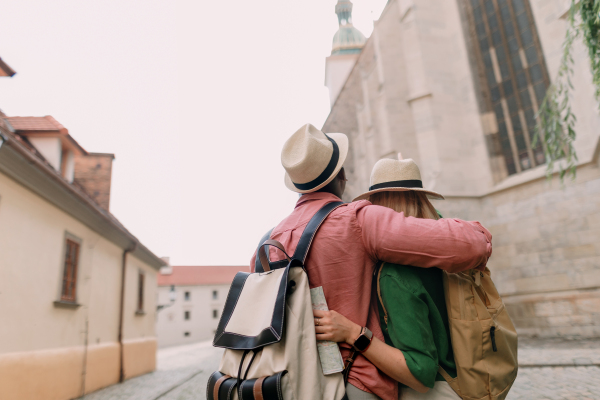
x=514 y=75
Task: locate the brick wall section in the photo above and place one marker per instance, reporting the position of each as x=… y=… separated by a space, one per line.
x=93 y=172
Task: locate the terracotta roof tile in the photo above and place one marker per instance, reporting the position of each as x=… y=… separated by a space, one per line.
x=5 y=70
x=36 y=124
x=188 y=275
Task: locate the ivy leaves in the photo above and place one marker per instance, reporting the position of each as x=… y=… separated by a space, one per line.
x=555 y=120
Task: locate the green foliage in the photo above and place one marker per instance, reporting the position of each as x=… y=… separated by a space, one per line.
x=555 y=120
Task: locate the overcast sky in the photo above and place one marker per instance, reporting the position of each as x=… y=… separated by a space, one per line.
x=194 y=98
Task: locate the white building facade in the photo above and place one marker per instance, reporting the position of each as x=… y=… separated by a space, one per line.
x=77 y=289
x=191 y=299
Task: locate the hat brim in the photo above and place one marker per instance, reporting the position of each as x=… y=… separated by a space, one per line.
x=342 y=141
x=430 y=194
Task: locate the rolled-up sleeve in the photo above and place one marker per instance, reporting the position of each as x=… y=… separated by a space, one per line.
x=450 y=244
x=409 y=329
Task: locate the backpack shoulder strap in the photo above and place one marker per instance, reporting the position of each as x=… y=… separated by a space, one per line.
x=453 y=382
x=304 y=243
x=311 y=229
x=377 y=278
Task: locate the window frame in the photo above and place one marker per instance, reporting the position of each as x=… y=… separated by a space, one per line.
x=63 y=297
x=140 y=292
x=514 y=132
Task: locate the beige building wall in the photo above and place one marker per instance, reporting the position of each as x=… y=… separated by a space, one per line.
x=414 y=90
x=171 y=325
x=43 y=348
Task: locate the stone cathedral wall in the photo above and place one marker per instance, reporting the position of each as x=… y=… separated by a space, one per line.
x=546 y=259
x=546 y=253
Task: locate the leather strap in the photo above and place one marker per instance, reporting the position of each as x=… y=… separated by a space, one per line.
x=272 y=386
x=257 y=390
x=257 y=265
x=348 y=364
x=264 y=261
x=378 y=270
x=303 y=245
x=453 y=382
x=311 y=229
x=218 y=386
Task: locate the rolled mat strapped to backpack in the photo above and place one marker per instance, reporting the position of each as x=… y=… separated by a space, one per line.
x=269 y=313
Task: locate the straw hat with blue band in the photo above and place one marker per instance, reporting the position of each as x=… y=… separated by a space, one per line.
x=312 y=159
x=397 y=176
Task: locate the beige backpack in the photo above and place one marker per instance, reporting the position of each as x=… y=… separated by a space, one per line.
x=484 y=339
x=269 y=314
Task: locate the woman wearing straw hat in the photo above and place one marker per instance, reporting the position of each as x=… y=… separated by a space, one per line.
x=411 y=301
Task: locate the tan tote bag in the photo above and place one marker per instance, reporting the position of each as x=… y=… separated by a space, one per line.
x=267 y=330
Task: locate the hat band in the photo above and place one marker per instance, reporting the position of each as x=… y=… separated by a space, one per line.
x=410 y=183
x=326 y=173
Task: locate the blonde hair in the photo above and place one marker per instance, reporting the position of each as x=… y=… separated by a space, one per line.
x=410 y=202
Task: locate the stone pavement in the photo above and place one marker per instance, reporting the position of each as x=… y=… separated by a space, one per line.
x=552 y=369
x=181 y=374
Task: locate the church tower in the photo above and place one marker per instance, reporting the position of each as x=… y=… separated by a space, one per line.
x=347 y=45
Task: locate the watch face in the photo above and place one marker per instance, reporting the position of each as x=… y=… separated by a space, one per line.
x=362 y=342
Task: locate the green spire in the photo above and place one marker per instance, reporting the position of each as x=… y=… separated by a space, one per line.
x=343 y=9
x=348 y=39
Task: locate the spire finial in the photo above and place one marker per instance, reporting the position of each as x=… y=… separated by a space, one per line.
x=343 y=9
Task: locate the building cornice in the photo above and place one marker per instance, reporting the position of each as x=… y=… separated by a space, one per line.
x=18 y=163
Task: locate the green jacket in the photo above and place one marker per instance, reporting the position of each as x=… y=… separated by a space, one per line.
x=417 y=320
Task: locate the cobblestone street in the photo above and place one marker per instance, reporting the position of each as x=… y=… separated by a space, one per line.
x=549 y=369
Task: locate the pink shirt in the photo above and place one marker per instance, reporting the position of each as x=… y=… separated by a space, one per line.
x=347 y=247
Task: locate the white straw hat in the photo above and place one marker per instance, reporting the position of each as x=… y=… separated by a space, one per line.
x=397 y=176
x=312 y=159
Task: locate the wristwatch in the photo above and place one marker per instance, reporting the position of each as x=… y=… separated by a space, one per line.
x=363 y=341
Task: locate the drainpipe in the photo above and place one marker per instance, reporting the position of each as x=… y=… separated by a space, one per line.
x=122 y=307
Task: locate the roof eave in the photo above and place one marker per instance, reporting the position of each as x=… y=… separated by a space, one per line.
x=6 y=70
x=17 y=162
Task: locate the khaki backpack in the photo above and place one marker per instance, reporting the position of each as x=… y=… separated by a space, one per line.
x=484 y=339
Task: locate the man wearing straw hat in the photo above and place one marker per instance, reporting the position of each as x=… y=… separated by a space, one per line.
x=354 y=237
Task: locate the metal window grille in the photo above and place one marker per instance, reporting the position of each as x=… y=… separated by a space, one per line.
x=515 y=76
x=69 y=286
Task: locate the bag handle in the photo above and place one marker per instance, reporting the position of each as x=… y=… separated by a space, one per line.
x=264 y=261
